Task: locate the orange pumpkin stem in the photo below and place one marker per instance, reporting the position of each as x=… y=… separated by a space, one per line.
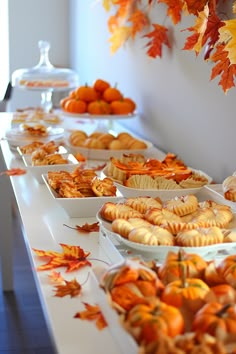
x=222 y=311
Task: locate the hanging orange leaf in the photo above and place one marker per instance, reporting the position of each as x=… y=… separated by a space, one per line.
x=158 y=38
x=139 y=21
x=174 y=9
x=119 y=36
x=195 y=42
x=223 y=68
x=72 y=257
x=194 y=7
x=206 y=30
x=13 y=172
x=227 y=36
x=72 y=288
x=56 y=277
x=92 y=313
x=124 y=8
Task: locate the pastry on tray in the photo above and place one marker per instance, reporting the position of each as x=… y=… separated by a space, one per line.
x=229 y=187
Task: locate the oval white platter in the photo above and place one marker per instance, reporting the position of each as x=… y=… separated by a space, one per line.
x=159 y=253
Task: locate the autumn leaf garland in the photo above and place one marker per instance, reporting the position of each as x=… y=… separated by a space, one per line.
x=211 y=33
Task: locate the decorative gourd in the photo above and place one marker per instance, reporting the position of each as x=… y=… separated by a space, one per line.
x=222 y=293
x=75 y=106
x=99 y=107
x=171 y=269
x=112 y=94
x=121 y=107
x=86 y=93
x=215 y=318
x=101 y=85
x=212 y=276
x=227 y=269
x=187 y=293
x=148 y=321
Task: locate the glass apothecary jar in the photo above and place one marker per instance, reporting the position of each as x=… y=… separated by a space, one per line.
x=45 y=77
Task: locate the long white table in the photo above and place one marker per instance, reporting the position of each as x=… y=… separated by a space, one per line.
x=43 y=228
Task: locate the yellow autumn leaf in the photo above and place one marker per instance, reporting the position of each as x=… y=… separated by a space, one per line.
x=228 y=36
x=107 y=4
x=200 y=27
x=119 y=37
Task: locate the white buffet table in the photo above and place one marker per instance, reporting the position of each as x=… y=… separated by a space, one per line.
x=42 y=226
x=42 y=221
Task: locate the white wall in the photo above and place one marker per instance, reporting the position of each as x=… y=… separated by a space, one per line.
x=180 y=109
x=29 y=22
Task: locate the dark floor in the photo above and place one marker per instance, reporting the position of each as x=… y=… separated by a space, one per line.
x=22 y=325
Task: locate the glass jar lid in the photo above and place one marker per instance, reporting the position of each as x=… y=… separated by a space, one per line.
x=44 y=76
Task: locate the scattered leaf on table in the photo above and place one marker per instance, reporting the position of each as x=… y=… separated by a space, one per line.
x=92 y=313
x=72 y=257
x=88 y=227
x=56 y=277
x=13 y=172
x=72 y=288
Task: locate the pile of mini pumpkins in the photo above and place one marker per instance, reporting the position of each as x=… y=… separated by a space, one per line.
x=184 y=295
x=99 y=99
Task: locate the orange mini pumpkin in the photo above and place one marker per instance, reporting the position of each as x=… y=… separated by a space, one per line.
x=121 y=107
x=227 y=269
x=149 y=320
x=215 y=318
x=112 y=94
x=188 y=293
x=99 y=107
x=171 y=269
x=101 y=85
x=75 y=106
x=86 y=93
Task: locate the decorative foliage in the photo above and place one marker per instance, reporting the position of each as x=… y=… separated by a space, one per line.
x=72 y=257
x=13 y=172
x=92 y=313
x=213 y=33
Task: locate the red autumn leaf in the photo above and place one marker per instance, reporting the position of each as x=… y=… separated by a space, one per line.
x=13 y=172
x=223 y=68
x=139 y=21
x=204 y=34
x=92 y=313
x=72 y=288
x=72 y=257
x=194 y=7
x=174 y=9
x=158 y=38
x=86 y=228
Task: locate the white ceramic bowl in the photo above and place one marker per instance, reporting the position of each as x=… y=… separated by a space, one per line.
x=164 y=194
x=38 y=171
x=80 y=207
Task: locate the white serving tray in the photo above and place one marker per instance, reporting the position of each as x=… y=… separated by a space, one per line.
x=80 y=207
x=105 y=154
x=219 y=195
x=159 y=253
x=38 y=171
x=124 y=340
x=164 y=194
